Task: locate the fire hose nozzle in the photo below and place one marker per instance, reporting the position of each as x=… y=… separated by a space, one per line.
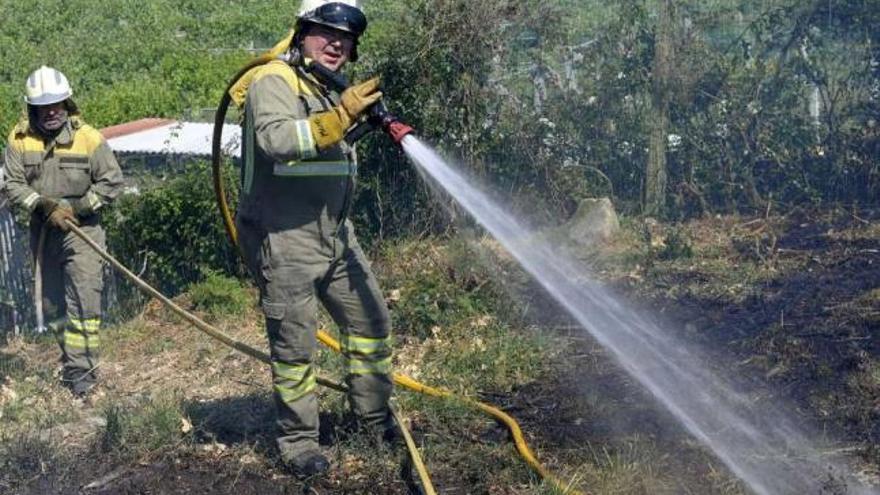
x=398 y=130
x=380 y=117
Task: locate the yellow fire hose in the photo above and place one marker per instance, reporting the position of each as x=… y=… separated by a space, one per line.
x=515 y=431
x=218 y=335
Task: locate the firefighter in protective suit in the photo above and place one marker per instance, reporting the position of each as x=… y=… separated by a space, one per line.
x=59 y=169
x=297 y=185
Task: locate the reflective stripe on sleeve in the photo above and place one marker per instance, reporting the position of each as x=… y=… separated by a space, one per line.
x=315 y=169
x=31 y=200
x=305 y=140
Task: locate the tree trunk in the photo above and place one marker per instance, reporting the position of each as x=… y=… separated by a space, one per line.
x=655 y=170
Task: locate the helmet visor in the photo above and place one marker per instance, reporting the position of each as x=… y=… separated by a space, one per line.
x=339 y=16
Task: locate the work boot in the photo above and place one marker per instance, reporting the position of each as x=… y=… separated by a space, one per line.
x=82 y=388
x=79 y=382
x=309 y=464
x=386 y=433
x=392 y=436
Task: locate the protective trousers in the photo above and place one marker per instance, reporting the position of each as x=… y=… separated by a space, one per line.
x=295 y=268
x=72 y=283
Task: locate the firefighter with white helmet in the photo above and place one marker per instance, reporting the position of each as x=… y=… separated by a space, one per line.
x=293 y=226
x=58 y=169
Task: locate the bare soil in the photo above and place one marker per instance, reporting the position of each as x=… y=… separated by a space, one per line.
x=789 y=304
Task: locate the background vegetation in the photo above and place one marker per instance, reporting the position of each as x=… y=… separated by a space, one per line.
x=732 y=105
x=736 y=104
x=673 y=109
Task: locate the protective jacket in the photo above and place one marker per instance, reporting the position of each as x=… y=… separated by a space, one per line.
x=78 y=166
x=279 y=147
x=296 y=240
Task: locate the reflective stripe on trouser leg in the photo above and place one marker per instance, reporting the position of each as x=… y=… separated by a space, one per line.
x=366 y=355
x=365 y=346
x=297 y=408
x=353 y=298
x=83 y=283
x=287 y=296
x=292 y=381
x=82 y=334
x=294 y=384
x=368 y=367
x=81 y=341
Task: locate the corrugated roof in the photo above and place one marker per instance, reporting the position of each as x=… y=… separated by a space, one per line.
x=153 y=136
x=132 y=127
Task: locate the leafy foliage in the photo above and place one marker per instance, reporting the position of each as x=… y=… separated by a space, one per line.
x=563 y=111
x=436 y=289
x=173 y=230
x=131 y=60
x=219 y=295
x=772 y=101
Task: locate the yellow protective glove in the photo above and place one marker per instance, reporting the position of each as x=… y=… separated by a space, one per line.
x=328 y=128
x=60 y=215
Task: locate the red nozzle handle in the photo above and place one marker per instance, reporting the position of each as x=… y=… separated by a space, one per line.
x=397 y=130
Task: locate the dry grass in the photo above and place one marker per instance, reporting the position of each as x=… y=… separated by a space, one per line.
x=169 y=392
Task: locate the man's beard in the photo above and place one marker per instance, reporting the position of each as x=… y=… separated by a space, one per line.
x=47 y=127
x=54 y=122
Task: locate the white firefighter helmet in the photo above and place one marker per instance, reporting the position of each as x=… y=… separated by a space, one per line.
x=345 y=15
x=46 y=86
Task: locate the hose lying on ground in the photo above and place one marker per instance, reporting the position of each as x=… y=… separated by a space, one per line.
x=511 y=424
x=230 y=342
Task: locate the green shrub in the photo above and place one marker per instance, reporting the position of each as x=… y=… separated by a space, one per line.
x=158 y=60
x=678 y=246
x=439 y=287
x=175 y=228
x=219 y=295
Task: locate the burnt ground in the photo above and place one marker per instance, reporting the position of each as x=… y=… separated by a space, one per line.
x=194 y=474
x=791 y=303
x=230 y=451
x=809 y=325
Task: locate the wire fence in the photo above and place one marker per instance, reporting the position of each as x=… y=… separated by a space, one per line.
x=17 y=313
x=119 y=300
